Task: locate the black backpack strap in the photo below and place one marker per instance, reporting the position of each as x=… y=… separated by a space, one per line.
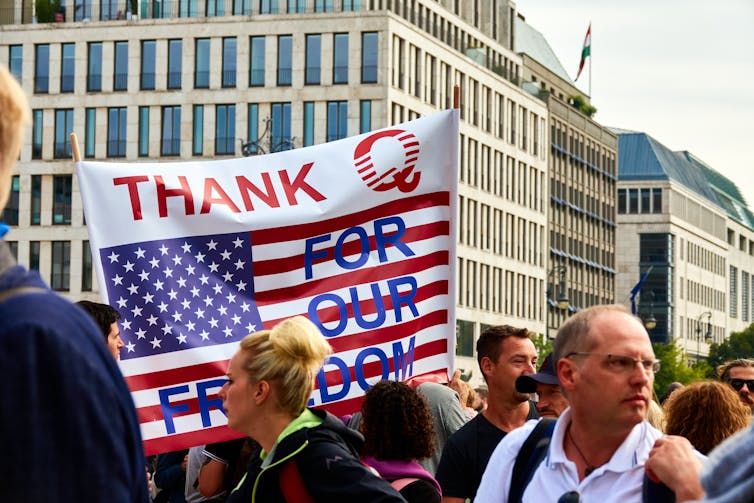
x=529 y=457
x=656 y=492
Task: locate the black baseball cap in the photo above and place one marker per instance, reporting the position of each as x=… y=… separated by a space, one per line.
x=546 y=375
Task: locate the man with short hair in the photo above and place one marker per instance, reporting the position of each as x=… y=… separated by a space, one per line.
x=503 y=353
x=739 y=374
x=106 y=318
x=605 y=364
x=551 y=402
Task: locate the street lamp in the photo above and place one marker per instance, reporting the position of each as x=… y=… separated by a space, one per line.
x=562 y=301
x=707 y=334
x=260 y=147
x=650 y=322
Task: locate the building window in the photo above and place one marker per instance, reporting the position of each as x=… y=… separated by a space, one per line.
x=323 y=5
x=644 y=200
x=369 y=57
x=268 y=6
x=313 y=59
x=42 y=68
x=61 y=262
x=171 y=130
x=188 y=8
x=86 y=267
x=36 y=134
x=621 y=201
x=744 y=296
x=253 y=127
x=147 y=64
x=175 y=65
x=296 y=6
x=308 y=123
x=198 y=137
x=34 y=255
x=280 y=136
x=229 y=62
x=285 y=59
x=464 y=338
x=215 y=8
x=633 y=201
x=120 y=76
x=62 y=193
x=365 y=116
x=82 y=9
x=67 y=67
x=733 y=292
x=90 y=135
x=201 y=64
x=13 y=248
x=351 y=5
x=225 y=129
x=241 y=7
x=337 y=120
x=63 y=128
x=10 y=215
x=36 y=201
x=116 y=132
x=108 y=10
x=94 y=67
x=656 y=200
x=256 y=66
x=143 y=131
x=340 y=59
x=16 y=61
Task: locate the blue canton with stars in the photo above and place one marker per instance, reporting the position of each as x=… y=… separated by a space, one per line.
x=175 y=294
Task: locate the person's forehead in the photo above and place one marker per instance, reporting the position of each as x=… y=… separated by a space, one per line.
x=741 y=373
x=512 y=346
x=613 y=329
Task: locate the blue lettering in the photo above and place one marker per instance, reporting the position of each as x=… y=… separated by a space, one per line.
x=403 y=299
x=310 y=255
x=359 y=365
x=342 y=313
x=205 y=404
x=169 y=410
x=322 y=382
x=383 y=240
x=364 y=243
x=379 y=307
x=401 y=363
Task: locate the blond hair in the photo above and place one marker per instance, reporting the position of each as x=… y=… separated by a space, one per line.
x=288 y=356
x=14 y=116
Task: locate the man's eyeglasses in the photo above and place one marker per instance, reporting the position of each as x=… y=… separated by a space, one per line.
x=737 y=384
x=620 y=363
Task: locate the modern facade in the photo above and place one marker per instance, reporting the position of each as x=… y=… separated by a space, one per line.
x=687 y=229
x=188 y=80
x=582 y=178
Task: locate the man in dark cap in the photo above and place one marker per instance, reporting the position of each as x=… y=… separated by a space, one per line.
x=552 y=402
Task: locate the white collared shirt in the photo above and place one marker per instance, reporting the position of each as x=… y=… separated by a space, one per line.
x=619 y=480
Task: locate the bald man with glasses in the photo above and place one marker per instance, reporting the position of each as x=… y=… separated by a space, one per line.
x=605 y=364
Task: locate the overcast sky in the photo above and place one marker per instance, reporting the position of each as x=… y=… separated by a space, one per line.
x=680 y=70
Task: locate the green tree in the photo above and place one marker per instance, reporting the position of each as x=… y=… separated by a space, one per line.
x=544 y=347
x=738 y=345
x=674 y=367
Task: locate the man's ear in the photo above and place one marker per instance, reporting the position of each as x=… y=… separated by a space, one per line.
x=568 y=373
x=486 y=365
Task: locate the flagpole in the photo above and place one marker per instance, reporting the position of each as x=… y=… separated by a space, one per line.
x=591 y=58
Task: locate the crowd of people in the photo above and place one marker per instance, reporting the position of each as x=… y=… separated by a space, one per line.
x=583 y=427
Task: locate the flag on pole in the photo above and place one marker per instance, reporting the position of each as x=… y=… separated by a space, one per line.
x=355 y=234
x=586 y=50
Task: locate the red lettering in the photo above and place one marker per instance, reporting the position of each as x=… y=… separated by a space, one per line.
x=163 y=194
x=211 y=184
x=299 y=184
x=245 y=186
x=133 y=192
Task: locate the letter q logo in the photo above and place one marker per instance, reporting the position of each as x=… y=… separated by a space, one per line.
x=404 y=178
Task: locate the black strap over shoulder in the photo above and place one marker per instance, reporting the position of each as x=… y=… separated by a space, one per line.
x=529 y=457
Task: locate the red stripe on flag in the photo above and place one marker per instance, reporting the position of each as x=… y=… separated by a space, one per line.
x=303 y=231
x=418 y=233
x=361 y=276
x=172 y=376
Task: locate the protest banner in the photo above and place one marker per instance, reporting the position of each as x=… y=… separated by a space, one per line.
x=357 y=234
